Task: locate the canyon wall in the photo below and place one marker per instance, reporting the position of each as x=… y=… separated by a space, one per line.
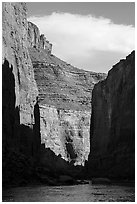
x=46 y=108
x=112 y=148
x=56 y=134
x=20 y=111
x=65 y=102
x=66 y=132
x=36 y=40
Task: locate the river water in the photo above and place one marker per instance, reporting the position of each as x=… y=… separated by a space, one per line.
x=75 y=193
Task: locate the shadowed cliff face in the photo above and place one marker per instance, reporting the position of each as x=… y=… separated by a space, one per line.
x=20 y=111
x=9 y=112
x=113 y=123
x=65 y=101
x=23 y=120
x=62 y=121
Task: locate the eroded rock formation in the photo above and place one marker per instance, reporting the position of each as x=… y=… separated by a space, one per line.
x=66 y=132
x=113 y=123
x=21 y=133
x=62 y=112
x=36 y=40
x=64 y=97
x=65 y=101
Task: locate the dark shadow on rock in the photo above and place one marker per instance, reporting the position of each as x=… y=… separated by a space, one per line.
x=30 y=140
x=68 y=136
x=54 y=170
x=20 y=143
x=36 y=128
x=25 y=159
x=70 y=151
x=112 y=139
x=8 y=104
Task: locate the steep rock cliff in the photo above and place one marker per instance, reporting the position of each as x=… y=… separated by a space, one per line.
x=19 y=91
x=65 y=102
x=36 y=40
x=113 y=123
x=66 y=132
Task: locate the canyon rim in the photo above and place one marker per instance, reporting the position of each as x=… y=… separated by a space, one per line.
x=62 y=125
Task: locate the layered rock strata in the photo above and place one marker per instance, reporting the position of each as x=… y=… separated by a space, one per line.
x=113 y=123
x=20 y=111
x=65 y=102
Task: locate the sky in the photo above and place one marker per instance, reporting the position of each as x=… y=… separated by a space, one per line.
x=89 y=35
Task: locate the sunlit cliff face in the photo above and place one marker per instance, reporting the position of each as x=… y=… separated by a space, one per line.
x=65 y=101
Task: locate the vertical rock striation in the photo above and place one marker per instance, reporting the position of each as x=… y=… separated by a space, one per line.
x=113 y=123
x=19 y=91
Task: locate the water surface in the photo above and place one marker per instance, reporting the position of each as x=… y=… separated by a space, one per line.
x=76 y=193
